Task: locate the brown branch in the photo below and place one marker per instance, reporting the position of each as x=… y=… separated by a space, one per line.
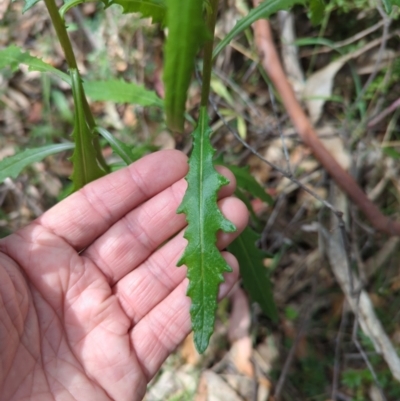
x=272 y=65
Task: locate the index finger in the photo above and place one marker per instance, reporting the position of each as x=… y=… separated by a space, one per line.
x=88 y=213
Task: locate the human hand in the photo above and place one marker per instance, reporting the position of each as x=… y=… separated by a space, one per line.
x=91 y=300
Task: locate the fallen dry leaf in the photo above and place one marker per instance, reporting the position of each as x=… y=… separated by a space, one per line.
x=189 y=352
x=290 y=56
x=240 y=354
x=213 y=388
x=318 y=88
x=240 y=319
x=334 y=143
x=164 y=140
x=243 y=385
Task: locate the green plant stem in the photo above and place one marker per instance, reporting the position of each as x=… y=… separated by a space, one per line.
x=62 y=34
x=208 y=53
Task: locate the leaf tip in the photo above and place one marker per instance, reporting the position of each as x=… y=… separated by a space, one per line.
x=201 y=342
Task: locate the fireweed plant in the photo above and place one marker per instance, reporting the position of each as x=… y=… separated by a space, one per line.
x=190 y=25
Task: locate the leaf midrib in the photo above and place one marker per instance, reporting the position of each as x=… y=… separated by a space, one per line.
x=202 y=137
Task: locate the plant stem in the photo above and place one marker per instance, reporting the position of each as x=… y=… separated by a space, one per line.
x=61 y=32
x=208 y=53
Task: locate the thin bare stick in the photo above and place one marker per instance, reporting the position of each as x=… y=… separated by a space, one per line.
x=366 y=360
x=273 y=67
x=336 y=366
x=307 y=311
x=342 y=43
x=384 y=113
x=338 y=213
x=272 y=217
x=285 y=149
x=385 y=34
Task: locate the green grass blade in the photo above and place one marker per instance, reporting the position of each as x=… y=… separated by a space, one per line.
x=263 y=10
x=203 y=260
x=86 y=168
x=186 y=33
x=13 y=165
x=155 y=9
x=119 y=91
x=255 y=280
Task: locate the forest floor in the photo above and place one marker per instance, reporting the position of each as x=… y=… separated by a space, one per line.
x=337 y=297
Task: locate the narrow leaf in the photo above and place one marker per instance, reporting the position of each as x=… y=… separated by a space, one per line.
x=317 y=10
x=84 y=159
x=255 y=280
x=203 y=260
x=392 y=152
x=155 y=9
x=12 y=56
x=120 y=148
x=245 y=199
x=388 y=5
x=13 y=165
x=29 y=4
x=246 y=181
x=263 y=10
x=121 y=92
x=68 y=4
x=186 y=32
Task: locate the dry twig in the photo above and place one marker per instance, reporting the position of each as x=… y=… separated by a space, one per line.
x=273 y=67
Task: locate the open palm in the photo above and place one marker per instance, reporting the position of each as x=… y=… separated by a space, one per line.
x=91 y=301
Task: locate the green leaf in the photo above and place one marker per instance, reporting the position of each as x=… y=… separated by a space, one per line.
x=392 y=152
x=84 y=159
x=120 y=148
x=245 y=199
x=113 y=90
x=29 y=4
x=388 y=5
x=13 y=56
x=247 y=182
x=255 y=280
x=203 y=260
x=221 y=90
x=121 y=92
x=155 y=9
x=68 y=4
x=263 y=10
x=13 y=165
x=317 y=10
x=186 y=33
x=291 y=313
